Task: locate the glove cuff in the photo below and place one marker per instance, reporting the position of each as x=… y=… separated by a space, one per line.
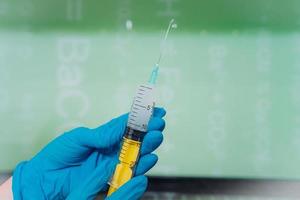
x=17 y=181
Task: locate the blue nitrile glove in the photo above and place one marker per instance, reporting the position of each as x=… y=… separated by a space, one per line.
x=78 y=164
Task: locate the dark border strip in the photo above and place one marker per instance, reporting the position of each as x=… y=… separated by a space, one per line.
x=222 y=186
x=225 y=186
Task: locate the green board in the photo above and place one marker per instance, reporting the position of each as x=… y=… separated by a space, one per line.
x=230 y=79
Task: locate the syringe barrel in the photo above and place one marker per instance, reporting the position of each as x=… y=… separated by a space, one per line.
x=128 y=158
x=137 y=126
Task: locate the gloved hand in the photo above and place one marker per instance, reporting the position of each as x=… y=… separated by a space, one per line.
x=78 y=164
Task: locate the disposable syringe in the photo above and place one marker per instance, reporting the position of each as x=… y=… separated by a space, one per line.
x=137 y=126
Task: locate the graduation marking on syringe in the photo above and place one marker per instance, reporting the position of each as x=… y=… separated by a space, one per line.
x=139 y=105
x=146 y=87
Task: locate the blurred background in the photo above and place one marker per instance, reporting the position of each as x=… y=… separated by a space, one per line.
x=229 y=79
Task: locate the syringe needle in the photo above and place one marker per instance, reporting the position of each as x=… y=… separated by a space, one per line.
x=154 y=72
x=171 y=25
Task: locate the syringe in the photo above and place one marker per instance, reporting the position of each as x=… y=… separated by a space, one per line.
x=139 y=116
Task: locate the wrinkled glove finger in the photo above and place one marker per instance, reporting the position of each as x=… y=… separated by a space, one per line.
x=145 y=163
x=156 y=124
x=152 y=141
x=159 y=112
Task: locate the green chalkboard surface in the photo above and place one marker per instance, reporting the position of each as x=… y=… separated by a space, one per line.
x=229 y=80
